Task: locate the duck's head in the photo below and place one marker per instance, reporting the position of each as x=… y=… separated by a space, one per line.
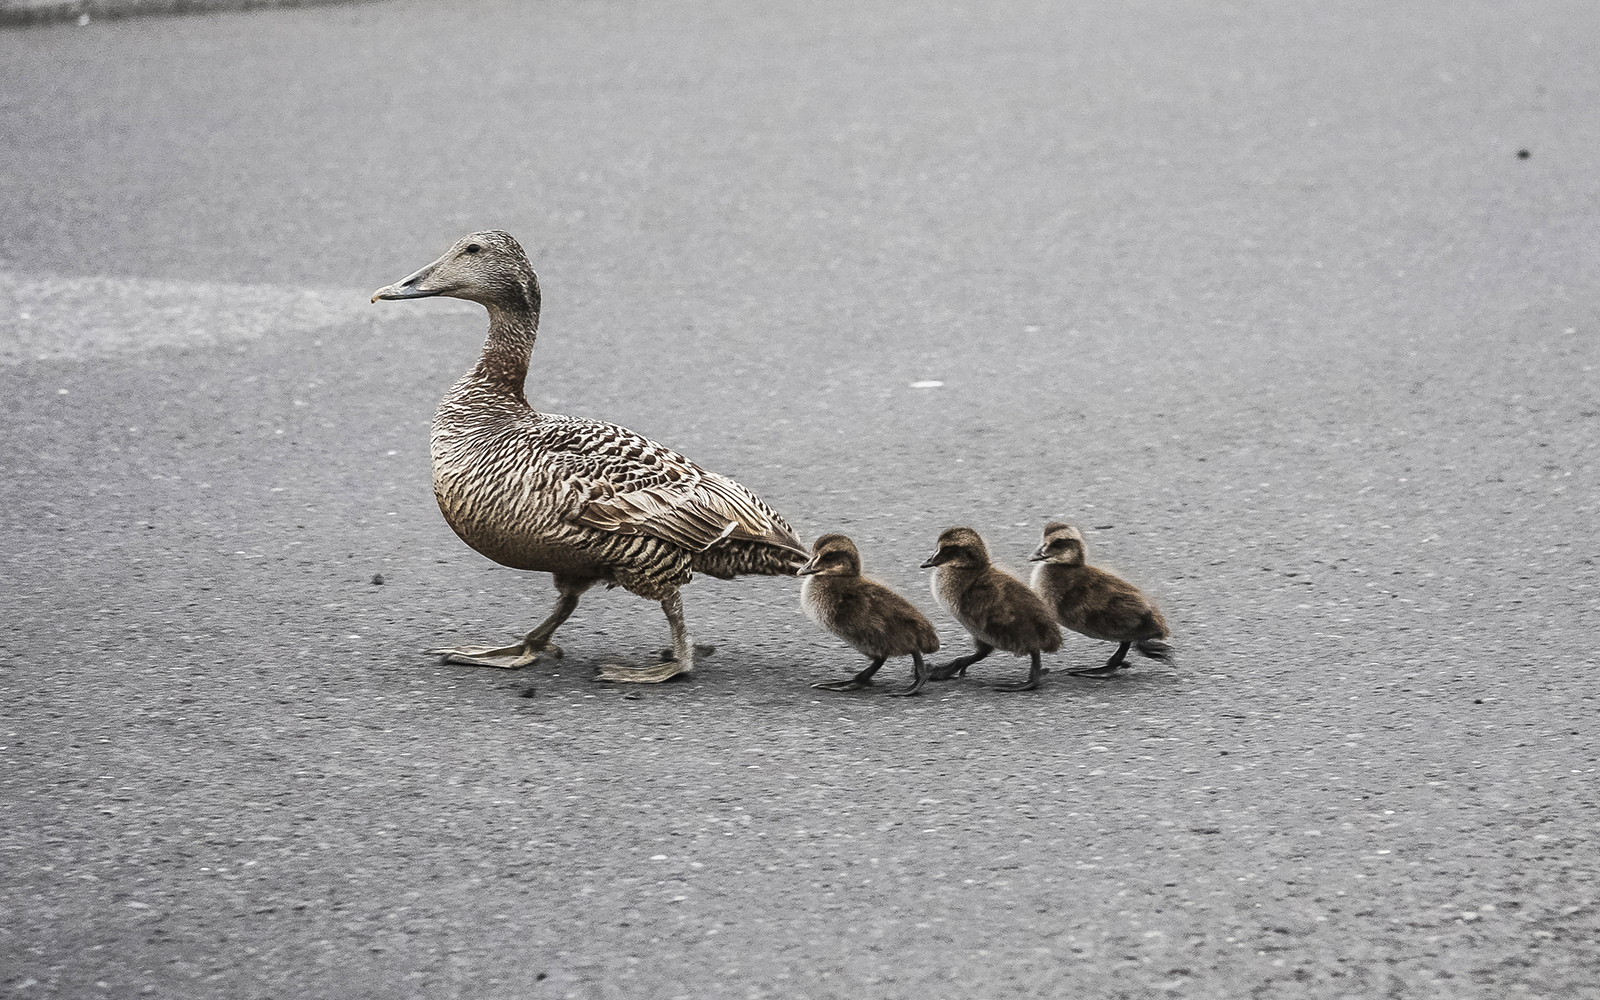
x=1062 y=544
x=488 y=268
x=959 y=547
x=832 y=555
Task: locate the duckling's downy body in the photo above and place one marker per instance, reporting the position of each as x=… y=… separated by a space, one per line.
x=869 y=616
x=1095 y=603
x=996 y=607
x=584 y=500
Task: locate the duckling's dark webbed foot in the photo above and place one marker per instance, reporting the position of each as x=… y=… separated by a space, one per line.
x=513 y=657
x=1036 y=671
x=1097 y=673
x=958 y=666
x=860 y=682
x=919 y=678
x=856 y=683
x=1028 y=685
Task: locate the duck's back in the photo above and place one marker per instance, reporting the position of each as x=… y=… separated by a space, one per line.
x=555 y=493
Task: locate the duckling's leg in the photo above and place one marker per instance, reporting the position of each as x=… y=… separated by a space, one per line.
x=958 y=667
x=856 y=683
x=682 y=661
x=534 y=643
x=919 y=676
x=1035 y=671
x=1112 y=665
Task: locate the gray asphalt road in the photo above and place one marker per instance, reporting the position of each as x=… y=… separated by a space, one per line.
x=1261 y=295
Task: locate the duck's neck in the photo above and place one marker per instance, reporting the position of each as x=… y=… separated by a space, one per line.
x=513 y=327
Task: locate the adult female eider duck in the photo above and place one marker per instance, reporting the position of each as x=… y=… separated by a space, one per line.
x=878 y=622
x=583 y=500
x=1095 y=603
x=997 y=608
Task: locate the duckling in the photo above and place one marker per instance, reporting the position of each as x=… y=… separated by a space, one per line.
x=583 y=500
x=996 y=607
x=1096 y=603
x=866 y=614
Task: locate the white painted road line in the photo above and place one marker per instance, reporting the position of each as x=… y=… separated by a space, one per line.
x=45 y=317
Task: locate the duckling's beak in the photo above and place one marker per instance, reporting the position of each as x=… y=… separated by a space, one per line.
x=933 y=560
x=1038 y=555
x=808 y=569
x=417 y=286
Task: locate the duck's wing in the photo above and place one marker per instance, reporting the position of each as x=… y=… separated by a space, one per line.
x=619 y=481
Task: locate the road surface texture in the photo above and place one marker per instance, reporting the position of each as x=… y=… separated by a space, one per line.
x=1261 y=295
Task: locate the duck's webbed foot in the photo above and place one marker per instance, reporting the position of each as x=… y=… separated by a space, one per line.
x=919 y=677
x=1036 y=671
x=1097 y=673
x=616 y=673
x=860 y=682
x=681 y=663
x=513 y=657
x=958 y=666
x=855 y=683
x=1117 y=662
x=533 y=645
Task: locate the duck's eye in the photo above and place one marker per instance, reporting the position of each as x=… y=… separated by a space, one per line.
x=472 y=248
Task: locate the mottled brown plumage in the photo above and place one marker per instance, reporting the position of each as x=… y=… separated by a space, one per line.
x=584 y=500
x=869 y=616
x=996 y=607
x=1095 y=603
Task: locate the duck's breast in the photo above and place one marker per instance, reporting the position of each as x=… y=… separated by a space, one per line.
x=499 y=495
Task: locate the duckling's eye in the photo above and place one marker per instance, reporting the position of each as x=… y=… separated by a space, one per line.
x=472 y=248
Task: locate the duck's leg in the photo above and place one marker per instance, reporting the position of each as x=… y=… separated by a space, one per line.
x=919 y=676
x=1112 y=665
x=958 y=666
x=1035 y=671
x=856 y=683
x=682 y=661
x=520 y=655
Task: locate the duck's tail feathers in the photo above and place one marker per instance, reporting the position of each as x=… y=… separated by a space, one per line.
x=1155 y=649
x=738 y=557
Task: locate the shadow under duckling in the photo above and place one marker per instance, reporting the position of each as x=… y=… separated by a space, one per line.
x=866 y=614
x=996 y=607
x=1096 y=603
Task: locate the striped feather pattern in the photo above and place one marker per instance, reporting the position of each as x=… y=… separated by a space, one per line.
x=570 y=495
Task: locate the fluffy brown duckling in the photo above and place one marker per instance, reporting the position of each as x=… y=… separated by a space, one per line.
x=1096 y=603
x=997 y=608
x=866 y=614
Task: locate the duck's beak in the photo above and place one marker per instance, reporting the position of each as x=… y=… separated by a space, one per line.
x=809 y=568
x=1038 y=555
x=933 y=560
x=416 y=286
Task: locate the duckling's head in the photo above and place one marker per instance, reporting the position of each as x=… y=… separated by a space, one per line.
x=832 y=555
x=1063 y=544
x=488 y=268
x=959 y=547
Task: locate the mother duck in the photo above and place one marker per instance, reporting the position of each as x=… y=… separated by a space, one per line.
x=583 y=500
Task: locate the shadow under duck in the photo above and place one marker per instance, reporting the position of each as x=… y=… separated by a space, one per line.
x=1096 y=603
x=584 y=500
x=996 y=607
x=878 y=622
